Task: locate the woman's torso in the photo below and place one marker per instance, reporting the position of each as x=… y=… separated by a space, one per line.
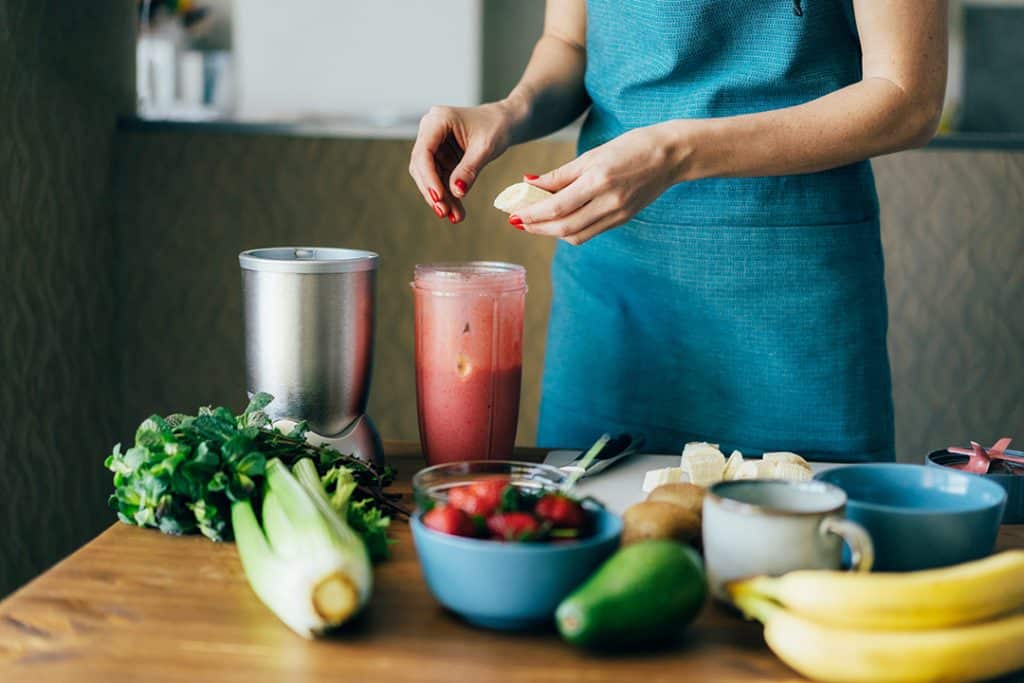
x=746 y=311
x=652 y=61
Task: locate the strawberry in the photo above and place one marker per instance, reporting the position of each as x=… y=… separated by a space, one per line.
x=488 y=494
x=461 y=498
x=513 y=526
x=562 y=512
x=449 y=520
x=479 y=498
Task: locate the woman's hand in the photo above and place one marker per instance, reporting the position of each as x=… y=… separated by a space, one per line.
x=452 y=147
x=607 y=185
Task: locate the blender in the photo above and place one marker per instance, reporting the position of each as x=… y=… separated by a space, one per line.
x=309 y=319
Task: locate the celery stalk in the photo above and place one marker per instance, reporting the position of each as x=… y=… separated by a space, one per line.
x=305 y=563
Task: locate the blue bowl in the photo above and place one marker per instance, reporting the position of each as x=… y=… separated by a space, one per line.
x=510 y=586
x=1014 y=484
x=921 y=517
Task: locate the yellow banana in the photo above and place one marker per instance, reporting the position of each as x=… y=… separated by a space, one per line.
x=962 y=594
x=834 y=654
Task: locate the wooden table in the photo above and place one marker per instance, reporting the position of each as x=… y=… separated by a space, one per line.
x=136 y=605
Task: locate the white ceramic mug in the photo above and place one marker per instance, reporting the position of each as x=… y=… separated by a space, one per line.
x=759 y=526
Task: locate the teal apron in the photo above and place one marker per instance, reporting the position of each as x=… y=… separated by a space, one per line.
x=749 y=312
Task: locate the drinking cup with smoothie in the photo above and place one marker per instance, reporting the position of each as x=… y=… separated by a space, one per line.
x=469 y=355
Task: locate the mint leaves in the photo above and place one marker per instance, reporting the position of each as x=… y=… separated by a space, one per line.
x=184 y=471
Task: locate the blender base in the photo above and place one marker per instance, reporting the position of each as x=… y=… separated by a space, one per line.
x=359 y=439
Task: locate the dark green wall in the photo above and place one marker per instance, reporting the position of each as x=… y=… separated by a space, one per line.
x=66 y=71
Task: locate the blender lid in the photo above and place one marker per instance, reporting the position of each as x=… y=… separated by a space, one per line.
x=308 y=260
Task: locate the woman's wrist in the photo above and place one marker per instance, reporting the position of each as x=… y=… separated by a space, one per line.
x=684 y=154
x=515 y=111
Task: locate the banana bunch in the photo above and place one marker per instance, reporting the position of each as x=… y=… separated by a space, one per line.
x=955 y=624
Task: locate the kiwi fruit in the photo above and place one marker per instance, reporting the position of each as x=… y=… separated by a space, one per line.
x=659 y=520
x=687 y=496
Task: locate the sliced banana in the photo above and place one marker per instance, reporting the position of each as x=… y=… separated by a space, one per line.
x=755 y=469
x=666 y=475
x=785 y=456
x=519 y=196
x=700 y=450
x=695 y=446
x=792 y=471
x=705 y=468
x=732 y=465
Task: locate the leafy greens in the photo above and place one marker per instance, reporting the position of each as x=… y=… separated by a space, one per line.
x=184 y=471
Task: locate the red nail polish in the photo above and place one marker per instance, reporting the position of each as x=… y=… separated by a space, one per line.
x=438 y=210
x=460 y=185
x=434 y=196
x=515 y=220
x=530 y=176
x=451 y=218
x=518 y=227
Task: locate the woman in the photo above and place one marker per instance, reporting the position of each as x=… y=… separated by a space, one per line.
x=719 y=275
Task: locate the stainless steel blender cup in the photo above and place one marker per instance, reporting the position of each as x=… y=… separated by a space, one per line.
x=309 y=325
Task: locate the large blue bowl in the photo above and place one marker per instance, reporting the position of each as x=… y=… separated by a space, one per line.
x=921 y=517
x=510 y=586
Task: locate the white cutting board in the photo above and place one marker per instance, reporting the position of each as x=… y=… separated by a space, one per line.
x=620 y=485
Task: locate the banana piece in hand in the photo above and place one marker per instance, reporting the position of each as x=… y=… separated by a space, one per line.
x=519 y=196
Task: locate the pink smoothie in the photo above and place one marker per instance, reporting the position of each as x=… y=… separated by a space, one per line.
x=469 y=350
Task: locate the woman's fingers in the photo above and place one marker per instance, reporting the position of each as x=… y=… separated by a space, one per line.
x=607 y=222
x=594 y=223
x=423 y=165
x=448 y=158
x=566 y=226
x=555 y=180
x=457 y=213
x=476 y=156
x=559 y=205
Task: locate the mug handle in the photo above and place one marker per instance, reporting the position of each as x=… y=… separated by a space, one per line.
x=862 y=551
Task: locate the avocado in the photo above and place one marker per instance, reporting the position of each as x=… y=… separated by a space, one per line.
x=642 y=596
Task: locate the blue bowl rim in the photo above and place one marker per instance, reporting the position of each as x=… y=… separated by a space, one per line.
x=908 y=467
x=486 y=545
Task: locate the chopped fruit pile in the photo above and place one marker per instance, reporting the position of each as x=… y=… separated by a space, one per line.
x=498 y=510
x=704 y=464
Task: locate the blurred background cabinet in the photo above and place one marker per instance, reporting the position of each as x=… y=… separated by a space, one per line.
x=385 y=60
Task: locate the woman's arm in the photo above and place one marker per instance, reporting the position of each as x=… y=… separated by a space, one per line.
x=455 y=143
x=551 y=95
x=895 y=106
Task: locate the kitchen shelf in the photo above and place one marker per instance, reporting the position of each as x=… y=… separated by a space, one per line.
x=406 y=130
x=326 y=128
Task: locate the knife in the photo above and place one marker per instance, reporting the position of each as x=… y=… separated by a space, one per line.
x=605 y=452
